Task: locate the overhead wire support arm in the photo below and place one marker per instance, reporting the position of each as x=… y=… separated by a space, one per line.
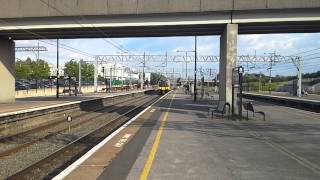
x=200 y=58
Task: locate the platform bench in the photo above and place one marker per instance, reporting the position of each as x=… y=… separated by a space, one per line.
x=220 y=108
x=249 y=107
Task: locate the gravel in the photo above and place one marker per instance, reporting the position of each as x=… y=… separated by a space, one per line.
x=31 y=154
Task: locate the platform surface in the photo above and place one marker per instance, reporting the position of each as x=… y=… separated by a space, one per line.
x=29 y=103
x=175 y=139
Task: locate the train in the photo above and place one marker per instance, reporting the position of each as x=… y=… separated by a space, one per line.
x=164 y=86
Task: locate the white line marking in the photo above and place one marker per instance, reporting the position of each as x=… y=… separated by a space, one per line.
x=153 y=110
x=122 y=141
x=77 y=163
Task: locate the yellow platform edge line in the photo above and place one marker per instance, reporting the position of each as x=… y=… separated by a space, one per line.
x=147 y=167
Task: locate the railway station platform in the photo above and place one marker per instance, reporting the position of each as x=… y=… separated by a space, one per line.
x=312 y=97
x=28 y=104
x=175 y=139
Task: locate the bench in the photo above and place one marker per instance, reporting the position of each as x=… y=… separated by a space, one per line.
x=249 y=107
x=220 y=108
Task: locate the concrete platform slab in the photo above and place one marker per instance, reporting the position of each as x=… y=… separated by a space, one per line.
x=175 y=139
x=28 y=104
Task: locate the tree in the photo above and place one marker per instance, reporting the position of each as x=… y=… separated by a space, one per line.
x=87 y=71
x=312 y=75
x=40 y=69
x=155 y=78
x=29 y=69
x=23 y=71
x=72 y=69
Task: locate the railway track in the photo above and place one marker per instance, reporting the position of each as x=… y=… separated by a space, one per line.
x=28 y=138
x=60 y=159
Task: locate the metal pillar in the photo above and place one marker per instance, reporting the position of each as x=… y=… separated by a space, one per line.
x=144 y=64
x=260 y=82
x=130 y=83
x=75 y=87
x=110 y=81
x=270 y=79
x=195 y=70
x=272 y=59
x=186 y=64
x=96 y=75
x=240 y=71
x=299 y=76
x=80 y=76
x=69 y=80
x=57 y=78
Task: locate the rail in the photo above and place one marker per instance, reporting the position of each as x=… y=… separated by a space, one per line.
x=54 y=163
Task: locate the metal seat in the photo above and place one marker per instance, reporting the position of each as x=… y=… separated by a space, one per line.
x=220 y=108
x=249 y=107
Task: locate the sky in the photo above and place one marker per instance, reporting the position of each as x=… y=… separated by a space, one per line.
x=282 y=44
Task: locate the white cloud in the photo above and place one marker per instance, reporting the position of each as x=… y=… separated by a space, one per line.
x=284 y=44
x=281 y=43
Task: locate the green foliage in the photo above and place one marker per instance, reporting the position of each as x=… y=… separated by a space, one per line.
x=87 y=71
x=255 y=77
x=312 y=75
x=29 y=69
x=23 y=70
x=254 y=86
x=72 y=69
x=155 y=78
x=40 y=69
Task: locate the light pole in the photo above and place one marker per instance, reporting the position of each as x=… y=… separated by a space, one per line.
x=195 y=69
x=260 y=81
x=57 y=80
x=110 y=80
x=272 y=60
x=144 y=65
x=122 y=54
x=80 y=61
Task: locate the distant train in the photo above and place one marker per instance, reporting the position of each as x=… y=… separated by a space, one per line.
x=164 y=86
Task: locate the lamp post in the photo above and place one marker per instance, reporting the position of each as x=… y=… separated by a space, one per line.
x=195 y=69
x=80 y=62
x=57 y=73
